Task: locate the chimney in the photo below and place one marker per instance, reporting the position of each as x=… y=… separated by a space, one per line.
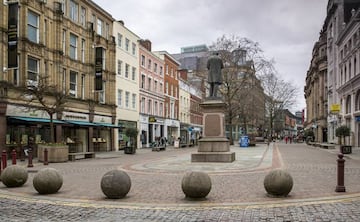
x=146 y=44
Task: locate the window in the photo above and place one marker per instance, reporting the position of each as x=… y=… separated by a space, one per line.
x=45 y=31
x=155 y=108
x=64 y=81
x=161 y=88
x=33 y=71
x=142 y=105
x=104 y=59
x=127 y=67
x=348 y=104
x=133 y=73
x=167 y=88
x=172 y=72
x=119 y=99
x=155 y=67
x=133 y=48
x=171 y=90
x=175 y=91
x=149 y=64
x=161 y=109
x=102 y=93
x=133 y=101
x=74 y=7
x=127 y=95
x=149 y=84
x=99 y=26
x=167 y=70
x=357 y=101
x=143 y=60
x=161 y=70
x=73 y=46
x=83 y=16
x=127 y=42
x=64 y=41
x=119 y=40
x=143 y=81
x=33 y=27
x=73 y=81
x=149 y=106
x=82 y=50
x=155 y=86
x=83 y=86
x=107 y=31
x=119 y=63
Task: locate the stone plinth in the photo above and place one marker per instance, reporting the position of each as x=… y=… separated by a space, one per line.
x=56 y=153
x=214 y=146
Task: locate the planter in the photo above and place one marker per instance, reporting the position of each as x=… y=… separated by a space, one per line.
x=56 y=153
x=129 y=150
x=345 y=149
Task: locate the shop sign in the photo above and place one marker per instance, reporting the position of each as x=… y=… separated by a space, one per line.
x=75 y=116
x=102 y=119
x=335 y=108
x=152 y=119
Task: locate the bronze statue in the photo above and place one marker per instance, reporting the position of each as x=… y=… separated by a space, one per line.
x=214 y=65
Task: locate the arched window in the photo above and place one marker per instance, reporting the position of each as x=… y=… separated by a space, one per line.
x=357 y=101
x=348 y=104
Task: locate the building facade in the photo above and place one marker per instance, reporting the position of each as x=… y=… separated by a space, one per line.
x=152 y=99
x=316 y=91
x=127 y=82
x=171 y=93
x=61 y=40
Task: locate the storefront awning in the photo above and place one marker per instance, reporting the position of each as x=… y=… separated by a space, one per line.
x=80 y=123
x=108 y=125
x=36 y=120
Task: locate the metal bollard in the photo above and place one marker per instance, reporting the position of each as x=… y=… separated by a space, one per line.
x=4 y=159
x=340 y=187
x=30 y=164
x=13 y=156
x=46 y=157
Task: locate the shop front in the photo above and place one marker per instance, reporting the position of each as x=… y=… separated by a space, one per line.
x=172 y=130
x=122 y=138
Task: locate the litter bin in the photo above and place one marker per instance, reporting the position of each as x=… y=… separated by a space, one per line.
x=244 y=141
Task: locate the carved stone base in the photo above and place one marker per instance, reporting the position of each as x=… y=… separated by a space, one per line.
x=224 y=157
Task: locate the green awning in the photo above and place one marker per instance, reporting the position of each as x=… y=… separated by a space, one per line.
x=80 y=123
x=107 y=125
x=35 y=120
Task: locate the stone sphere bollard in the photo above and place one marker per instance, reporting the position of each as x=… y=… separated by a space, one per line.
x=278 y=183
x=196 y=184
x=14 y=176
x=47 y=181
x=115 y=184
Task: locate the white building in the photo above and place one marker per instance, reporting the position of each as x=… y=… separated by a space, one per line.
x=127 y=81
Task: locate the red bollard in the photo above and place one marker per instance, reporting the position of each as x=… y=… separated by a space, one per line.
x=46 y=157
x=4 y=159
x=13 y=156
x=340 y=174
x=30 y=164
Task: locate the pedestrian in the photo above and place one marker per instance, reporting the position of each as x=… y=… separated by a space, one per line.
x=286 y=139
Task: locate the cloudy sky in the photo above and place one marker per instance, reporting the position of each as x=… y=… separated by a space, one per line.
x=285 y=29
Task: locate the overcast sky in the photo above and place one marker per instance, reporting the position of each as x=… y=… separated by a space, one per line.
x=285 y=29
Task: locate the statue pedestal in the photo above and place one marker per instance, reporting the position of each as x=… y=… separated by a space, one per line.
x=213 y=146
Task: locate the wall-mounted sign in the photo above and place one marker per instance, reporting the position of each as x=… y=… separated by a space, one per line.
x=98 y=68
x=152 y=119
x=335 y=108
x=12 y=35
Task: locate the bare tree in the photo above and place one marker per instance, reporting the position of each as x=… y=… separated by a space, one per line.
x=47 y=97
x=242 y=59
x=281 y=95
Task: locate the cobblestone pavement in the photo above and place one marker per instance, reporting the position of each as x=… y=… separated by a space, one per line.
x=237 y=191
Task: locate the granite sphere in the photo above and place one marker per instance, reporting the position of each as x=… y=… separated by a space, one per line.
x=115 y=184
x=47 y=181
x=278 y=183
x=196 y=184
x=14 y=176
